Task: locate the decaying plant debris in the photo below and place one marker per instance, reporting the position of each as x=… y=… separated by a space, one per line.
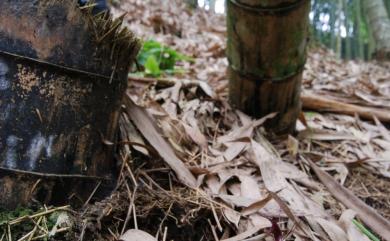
x=246 y=187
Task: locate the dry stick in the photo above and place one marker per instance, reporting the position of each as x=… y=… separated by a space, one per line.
x=30 y=234
x=131 y=174
x=129 y=210
x=321 y=103
x=35 y=228
x=25 y=236
x=34 y=186
x=92 y=193
x=44 y=229
x=120 y=176
x=163 y=220
x=165 y=234
x=21 y=219
x=43 y=223
x=155 y=184
x=113 y=234
x=85 y=221
x=216 y=217
x=60 y=230
x=135 y=217
x=213 y=230
x=9 y=233
x=366 y=213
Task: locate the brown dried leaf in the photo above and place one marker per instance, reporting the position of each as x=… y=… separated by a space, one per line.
x=146 y=126
x=137 y=235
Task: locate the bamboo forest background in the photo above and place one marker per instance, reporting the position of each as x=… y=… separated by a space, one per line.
x=337 y=24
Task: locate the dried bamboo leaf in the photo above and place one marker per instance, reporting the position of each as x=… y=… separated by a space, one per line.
x=367 y=214
x=247 y=233
x=256 y=206
x=137 y=235
x=146 y=126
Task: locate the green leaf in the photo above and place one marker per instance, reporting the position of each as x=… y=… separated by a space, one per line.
x=164 y=57
x=310 y=114
x=365 y=230
x=152 y=66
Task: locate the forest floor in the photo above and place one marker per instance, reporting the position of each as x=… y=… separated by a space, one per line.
x=193 y=168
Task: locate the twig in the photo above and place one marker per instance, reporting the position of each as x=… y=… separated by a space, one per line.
x=213 y=230
x=21 y=219
x=216 y=217
x=9 y=233
x=30 y=234
x=163 y=220
x=34 y=186
x=35 y=228
x=154 y=183
x=129 y=210
x=120 y=176
x=165 y=233
x=135 y=217
x=131 y=174
x=85 y=221
x=113 y=234
x=60 y=230
x=25 y=236
x=93 y=193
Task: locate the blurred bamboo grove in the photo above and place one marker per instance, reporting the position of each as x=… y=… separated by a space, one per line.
x=341 y=25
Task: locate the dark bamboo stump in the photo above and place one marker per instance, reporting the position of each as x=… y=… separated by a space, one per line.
x=267 y=52
x=63 y=73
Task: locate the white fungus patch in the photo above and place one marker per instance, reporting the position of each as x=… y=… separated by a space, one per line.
x=5 y=112
x=38 y=144
x=4 y=82
x=10 y=155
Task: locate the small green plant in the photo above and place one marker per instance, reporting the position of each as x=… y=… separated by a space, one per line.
x=158 y=59
x=6 y=216
x=364 y=230
x=41 y=224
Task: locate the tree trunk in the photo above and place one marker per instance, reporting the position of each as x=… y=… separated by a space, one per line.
x=267 y=52
x=359 y=43
x=339 y=39
x=61 y=82
x=333 y=34
x=347 y=52
x=379 y=23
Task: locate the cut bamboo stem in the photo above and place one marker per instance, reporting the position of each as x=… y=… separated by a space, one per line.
x=267 y=51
